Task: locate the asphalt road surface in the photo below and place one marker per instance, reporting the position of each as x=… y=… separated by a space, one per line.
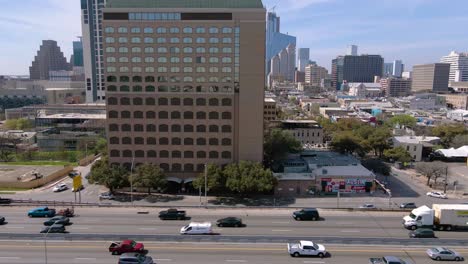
x=32 y=252
x=356 y=227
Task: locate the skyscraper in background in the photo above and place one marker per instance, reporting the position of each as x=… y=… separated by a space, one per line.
x=388 y=69
x=91 y=25
x=77 y=54
x=276 y=44
x=458 y=66
x=361 y=68
x=352 y=50
x=397 y=68
x=49 y=58
x=303 y=59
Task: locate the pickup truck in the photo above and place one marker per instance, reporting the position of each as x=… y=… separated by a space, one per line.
x=172 y=214
x=5 y=201
x=306 y=248
x=388 y=260
x=127 y=246
x=42 y=212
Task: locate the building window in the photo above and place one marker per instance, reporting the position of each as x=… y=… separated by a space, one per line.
x=174 y=40
x=213 y=30
x=113 y=127
x=149 y=50
x=213 y=155
x=164 y=154
x=176 y=154
x=110 y=40
x=163 y=101
x=148 y=30
x=226 y=102
x=148 y=40
x=174 y=50
x=139 y=141
x=174 y=30
x=126 y=141
x=188 y=115
x=150 y=128
x=127 y=154
x=151 y=115
x=188 y=30
x=110 y=49
x=198 y=40
x=226 y=142
x=162 y=50
x=163 y=115
x=201 y=50
x=227 y=40
x=123 y=59
x=227 y=50
x=115 y=153
x=161 y=30
x=213 y=115
x=214 y=40
x=226 y=129
x=201 y=128
x=175 y=115
x=151 y=154
x=201 y=115
x=123 y=50
x=163 y=141
x=109 y=30
x=227 y=30
x=136 y=40
x=188 y=128
x=201 y=102
x=201 y=141
x=163 y=128
x=226 y=155
x=226 y=115
x=136 y=30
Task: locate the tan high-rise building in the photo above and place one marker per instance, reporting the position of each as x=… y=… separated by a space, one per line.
x=314 y=74
x=185 y=82
x=431 y=77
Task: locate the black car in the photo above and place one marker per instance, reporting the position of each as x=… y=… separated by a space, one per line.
x=229 y=222
x=310 y=214
x=54 y=229
x=172 y=214
x=408 y=205
x=2 y=220
x=59 y=220
x=422 y=233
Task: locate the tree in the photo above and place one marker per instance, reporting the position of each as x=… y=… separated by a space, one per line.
x=215 y=179
x=397 y=154
x=149 y=176
x=100 y=147
x=448 y=132
x=378 y=140
x=248 y=178
x=278 y=144
x=349 y=143
x=110 y=176
x=402 y=120
x=459 y=141
x=18 y=124
x=431 y=170
x=377 y=166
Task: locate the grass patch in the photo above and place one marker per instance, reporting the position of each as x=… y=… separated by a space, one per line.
x=10 y=190
x=40 y=163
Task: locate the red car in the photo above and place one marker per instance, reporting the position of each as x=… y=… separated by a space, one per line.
x=127 y=246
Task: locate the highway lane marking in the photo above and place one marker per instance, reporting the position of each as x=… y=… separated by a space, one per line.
x=79 y=227
x=14 y=227
x=281 y=230
x=313 y=261
x=236 y=260
x=163 y=259
x=281 y=222
x=350 y=231
x=86 y=259
x=10 y=258
x=147 y=228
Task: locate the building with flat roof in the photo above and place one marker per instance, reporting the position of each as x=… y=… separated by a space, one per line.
x=269 y=110
x=418 y=147
x=305 y=131
x=396 y=87
x=201 y=99
x=361 y=68
x=303 y=59
x=458 y=66
x=456 y=101
x=315 y=74
x=432 y=77
x=365 y=90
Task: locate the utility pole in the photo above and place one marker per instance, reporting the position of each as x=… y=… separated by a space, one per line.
x=446 y=178
x=131 y=180
x=206 y=185
x=338 y=199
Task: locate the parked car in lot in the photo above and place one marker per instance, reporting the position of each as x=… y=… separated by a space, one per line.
x=367 y=206
x=306 y=248
x=422 y=233
x=388 y=260
x=135 y=258
x=172 y=214
x=106 y=196
x=41 y=212
x=229 y=222
x=408 y=205
x=2 y=220
x=61 y=220
x=440 y=195
x=54 y=229
x=311 y=214
x=60 y=187
x=197 y=229
x=127 y=246
x=442 y=253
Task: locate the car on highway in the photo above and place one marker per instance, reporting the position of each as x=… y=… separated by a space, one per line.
x=195 y=228
x=440 y=195
x=61 y=220
x=5 y=200
x=60 y=187
x=229 y=222
x=422 y=233
x=54 y=229
x=2 y=220
x=106 y=196
x=127 y=246
x=135 y=258
x=42 y=212
x=442 y=253
x=367 y=206
x=306 y=248
x=387 y=260
x=310 y=214
x=172 y=214
x=408 y=206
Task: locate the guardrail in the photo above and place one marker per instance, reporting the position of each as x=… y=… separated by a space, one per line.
x=49 y=203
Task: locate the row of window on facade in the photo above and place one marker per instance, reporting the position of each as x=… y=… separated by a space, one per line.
x=173 y=50
x=174 y=128
x=162 y=101
x=174 y=40
x=162 y=69
x=172 y=30
x=305 y=134
x=173 y=154
x=174 y=141
x=198 y=59
x=165 y=79
x=176 y=167
x=172 y=115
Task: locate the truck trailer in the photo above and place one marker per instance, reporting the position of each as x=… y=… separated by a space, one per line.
x=440 y=217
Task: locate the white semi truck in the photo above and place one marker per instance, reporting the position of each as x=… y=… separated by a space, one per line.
x=440 y=217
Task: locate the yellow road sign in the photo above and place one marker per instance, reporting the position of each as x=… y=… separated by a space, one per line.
x=77 y=182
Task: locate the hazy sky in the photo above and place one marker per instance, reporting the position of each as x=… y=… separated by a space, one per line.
x=416 y=31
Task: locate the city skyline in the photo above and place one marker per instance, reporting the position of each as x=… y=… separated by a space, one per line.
x=426 y=29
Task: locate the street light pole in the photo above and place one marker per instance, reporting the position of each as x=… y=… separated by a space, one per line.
x=131 y=180
x=206 y=185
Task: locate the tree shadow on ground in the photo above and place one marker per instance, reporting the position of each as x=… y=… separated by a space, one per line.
x=150 y=198
x=401 y=188
x=253 y=201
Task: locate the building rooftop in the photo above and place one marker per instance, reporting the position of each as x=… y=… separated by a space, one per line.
x=184 y=4
x=74 y=116
x=415 y=140
x=343 y=171
x=269 y=100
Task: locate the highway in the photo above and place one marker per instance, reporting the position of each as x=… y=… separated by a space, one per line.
x=32 y=252
x=262 y=225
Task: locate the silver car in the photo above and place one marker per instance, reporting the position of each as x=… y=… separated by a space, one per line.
x=135 y=258
x=441 y=253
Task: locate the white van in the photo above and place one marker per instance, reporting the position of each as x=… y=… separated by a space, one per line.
x=197 y=229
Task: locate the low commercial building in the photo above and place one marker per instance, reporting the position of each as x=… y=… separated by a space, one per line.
x=314 y=172
x=426 y=102
x=461 y=87
x=365 y=90
x=456 y=101
x=458 y=115
x=328 y=112
x=396 y=87
x=452 y=154
x=305 y=131
x=269 y=110
x=418 y=147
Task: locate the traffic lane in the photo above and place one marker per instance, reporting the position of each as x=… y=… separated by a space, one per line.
x=175 y=253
